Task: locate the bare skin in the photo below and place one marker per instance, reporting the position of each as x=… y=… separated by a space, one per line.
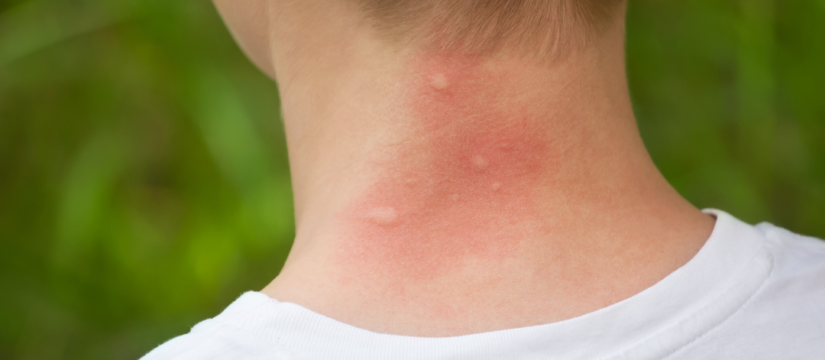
x=441 y=194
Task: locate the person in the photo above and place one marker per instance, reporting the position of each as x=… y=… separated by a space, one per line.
x=470 y=183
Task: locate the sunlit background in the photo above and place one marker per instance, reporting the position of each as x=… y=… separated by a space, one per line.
x=143 y=174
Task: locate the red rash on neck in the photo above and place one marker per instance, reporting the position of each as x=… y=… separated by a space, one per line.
x=461 y=190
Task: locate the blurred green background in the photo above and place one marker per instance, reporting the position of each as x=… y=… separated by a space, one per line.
x=144 y=181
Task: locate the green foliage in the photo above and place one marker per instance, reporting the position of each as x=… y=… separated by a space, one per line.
x=726 y=94
x=143 y=176
x=144 y=181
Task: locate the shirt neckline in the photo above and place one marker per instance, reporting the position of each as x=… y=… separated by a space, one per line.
x=652 y=324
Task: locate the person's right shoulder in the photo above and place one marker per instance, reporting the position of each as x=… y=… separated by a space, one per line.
x=785 y=318
x=796 y=257
x=794 y=296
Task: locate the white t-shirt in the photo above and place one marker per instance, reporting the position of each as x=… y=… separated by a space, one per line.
x=752 y=292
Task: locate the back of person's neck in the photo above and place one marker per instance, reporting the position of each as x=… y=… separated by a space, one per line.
x=432 y=187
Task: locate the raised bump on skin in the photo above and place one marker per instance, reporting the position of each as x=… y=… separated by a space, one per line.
x=439 y=82
x=383 y=215
x=480 y=163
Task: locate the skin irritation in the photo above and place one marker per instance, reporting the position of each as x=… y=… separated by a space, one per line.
x=462 y=189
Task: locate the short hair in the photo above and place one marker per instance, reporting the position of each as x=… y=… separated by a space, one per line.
x=533 y=27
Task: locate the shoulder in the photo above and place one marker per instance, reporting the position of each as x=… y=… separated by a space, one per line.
x=230 y=335
x=785 y=318
x=793 y=296
x=213 y=340
x=797 y=258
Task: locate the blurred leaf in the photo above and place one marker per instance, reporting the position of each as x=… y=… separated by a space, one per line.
x=87 y=194
x=37 y=24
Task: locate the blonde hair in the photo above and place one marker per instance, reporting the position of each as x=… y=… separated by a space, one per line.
x=533 y=27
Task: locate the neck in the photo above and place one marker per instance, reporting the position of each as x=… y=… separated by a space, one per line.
x=431 y=187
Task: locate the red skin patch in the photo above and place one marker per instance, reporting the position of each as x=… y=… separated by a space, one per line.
x=470 y=170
